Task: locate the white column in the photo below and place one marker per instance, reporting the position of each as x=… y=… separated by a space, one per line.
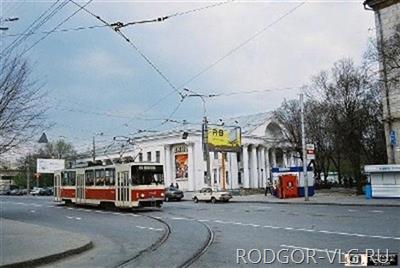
x=191 y=177
x=273 y=155
x=268 y=166
x=292 y=159
x=233 y=172
x=167 y=165
x=245 y=160
x=285 y=162
x=253 y=163
x=262 y=166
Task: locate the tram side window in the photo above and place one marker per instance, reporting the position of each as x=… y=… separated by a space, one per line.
x=100 y=177
x=110 y=176
x=89 y=174
x=68 y=178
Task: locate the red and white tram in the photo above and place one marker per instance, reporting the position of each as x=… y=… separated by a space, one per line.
x=123 y=185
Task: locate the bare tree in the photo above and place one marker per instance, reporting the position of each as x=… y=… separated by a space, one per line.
x=288 y=115
x=21 y=107
x=58 y=149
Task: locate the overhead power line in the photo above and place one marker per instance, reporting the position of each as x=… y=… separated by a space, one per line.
x=58 y=31
x=119 y=25
x=165 y=78
x=57 y=26
x=242 y=44
x=35 y=25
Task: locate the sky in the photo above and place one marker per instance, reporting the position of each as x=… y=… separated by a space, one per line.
x=96 y=82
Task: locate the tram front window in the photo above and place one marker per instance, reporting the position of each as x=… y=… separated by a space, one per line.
x=146 y=175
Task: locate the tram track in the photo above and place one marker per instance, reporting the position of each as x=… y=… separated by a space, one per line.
x=152 y=247
x=163 y=241
x=203 y=249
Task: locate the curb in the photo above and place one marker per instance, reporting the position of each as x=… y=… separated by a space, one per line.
x=316 y=204
x=49 y=258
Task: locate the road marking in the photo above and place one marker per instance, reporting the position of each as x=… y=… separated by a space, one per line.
x=32 y=211
x=313 y=249
x=309 y=230
x=203 y=220
x=377 y=211
x=352 y=210
x=74 y=218
x=178 y=218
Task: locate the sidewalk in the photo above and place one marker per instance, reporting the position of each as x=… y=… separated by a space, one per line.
x=27 y=245
x=320 y=198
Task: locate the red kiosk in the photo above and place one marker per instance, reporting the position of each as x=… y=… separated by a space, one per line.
x=287 y=186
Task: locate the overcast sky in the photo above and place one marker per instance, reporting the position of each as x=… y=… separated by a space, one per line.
x=97 y=82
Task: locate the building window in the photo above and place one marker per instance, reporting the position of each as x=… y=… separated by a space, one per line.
x=140 y=157
x=158 y=156
x=238 y=156
x=148 y=156
x=215 y=176
x=240 y=177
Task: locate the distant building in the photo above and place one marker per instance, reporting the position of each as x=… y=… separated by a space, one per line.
x=263 y=147
x=387 y=20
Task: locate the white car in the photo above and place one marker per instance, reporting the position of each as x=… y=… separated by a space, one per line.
x=213 y=195
x=37 y=191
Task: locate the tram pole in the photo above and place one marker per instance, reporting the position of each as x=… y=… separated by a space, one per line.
x=303 y=143
x=206 y=150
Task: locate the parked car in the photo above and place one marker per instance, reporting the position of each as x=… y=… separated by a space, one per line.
x=172 y=193
x=211 y=195
x=47 y=191
x=37 y=191
x=16 y=192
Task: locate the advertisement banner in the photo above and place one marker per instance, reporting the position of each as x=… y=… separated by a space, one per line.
x=224 y=138
x=181 y=166
x=49 y=165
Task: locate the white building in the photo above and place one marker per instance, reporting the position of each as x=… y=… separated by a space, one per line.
x=263 y=147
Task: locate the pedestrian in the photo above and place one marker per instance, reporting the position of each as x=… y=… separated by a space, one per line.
x=176 y=186
x=172 y=185
x=268 y=188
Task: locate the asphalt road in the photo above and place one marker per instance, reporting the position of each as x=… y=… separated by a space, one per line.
x=206 y=235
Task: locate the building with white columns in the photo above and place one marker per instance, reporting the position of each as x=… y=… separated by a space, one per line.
x=263 y=147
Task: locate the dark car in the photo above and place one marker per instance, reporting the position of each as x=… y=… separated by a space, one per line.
x=47 y=191
x=172 y=193
x=16 y=192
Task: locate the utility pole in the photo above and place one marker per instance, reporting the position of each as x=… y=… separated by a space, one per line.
x=28 y=186
x=303 y=144
x=94 y=150
x=206 y=150
x=223 y=171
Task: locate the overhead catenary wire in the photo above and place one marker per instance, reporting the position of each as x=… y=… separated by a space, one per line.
x=147 y=59
x=242 y=44
x=245 y=42
x=35 y=25
x=57 y=26
x=119 y=25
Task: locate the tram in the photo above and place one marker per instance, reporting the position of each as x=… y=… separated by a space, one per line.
x=128 y=185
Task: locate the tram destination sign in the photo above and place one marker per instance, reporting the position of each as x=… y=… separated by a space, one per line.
x=224 y=138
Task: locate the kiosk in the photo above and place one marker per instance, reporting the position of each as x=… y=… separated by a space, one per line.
x=384 y=180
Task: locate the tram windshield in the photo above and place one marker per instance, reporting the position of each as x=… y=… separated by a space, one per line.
x=147 y=174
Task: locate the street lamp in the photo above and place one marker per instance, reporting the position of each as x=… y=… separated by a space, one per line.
x=205 y=129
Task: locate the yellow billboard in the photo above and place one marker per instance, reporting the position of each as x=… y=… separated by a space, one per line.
x=224 y=138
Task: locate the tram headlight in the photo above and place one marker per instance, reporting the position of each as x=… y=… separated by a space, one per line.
x=162 y=194
x=142 y=195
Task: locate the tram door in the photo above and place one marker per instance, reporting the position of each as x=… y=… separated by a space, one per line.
x=57 y=189
x=122 y=193
x=80 y=188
